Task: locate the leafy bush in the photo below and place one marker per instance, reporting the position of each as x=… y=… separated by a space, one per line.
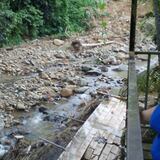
x=154 y=81
x=32 y=18
x=14 y=26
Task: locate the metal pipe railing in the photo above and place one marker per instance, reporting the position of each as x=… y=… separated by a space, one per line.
x=147 y=81
x=156 y=5
x=134 y=138
x=133 y=25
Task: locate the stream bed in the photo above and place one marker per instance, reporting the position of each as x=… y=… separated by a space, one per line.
x=48 y=91
x=48 y=119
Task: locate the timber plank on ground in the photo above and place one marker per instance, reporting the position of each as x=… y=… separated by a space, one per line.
x=99 y=137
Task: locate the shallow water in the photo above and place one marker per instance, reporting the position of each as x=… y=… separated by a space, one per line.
x=34 y=122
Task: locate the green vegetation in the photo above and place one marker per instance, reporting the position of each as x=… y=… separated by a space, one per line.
x=154 y=81
x=31 y=18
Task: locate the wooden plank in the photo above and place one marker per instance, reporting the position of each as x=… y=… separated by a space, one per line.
x=94 y=157
x=79 y=144
x=103 y=157
x=100 y=124
x=89 y=153
x=134 y=138
x=111 y=156
x=117 y=140
x=115 y=150
x=106 y=150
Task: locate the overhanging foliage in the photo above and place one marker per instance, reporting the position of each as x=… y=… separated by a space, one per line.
x=31 y=18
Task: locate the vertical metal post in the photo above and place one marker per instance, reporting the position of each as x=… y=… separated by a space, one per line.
x=157 y=16
x=147 y=80
x=134 y=138
x=133 y=25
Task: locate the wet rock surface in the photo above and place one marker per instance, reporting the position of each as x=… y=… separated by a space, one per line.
x=45 y=85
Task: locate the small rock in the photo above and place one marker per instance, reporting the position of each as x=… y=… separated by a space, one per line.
x=26 y=62
x=121 y=68
x=7 y=142
x=104 y=69
x=2 y=151
x=60 y=55
x=47 y=118
x=35 y=96
x=118 y=62
x=43 y=110
x=118 y=69
x=19 y=136
x=72 y=81
x=58 y=42
x=141 y=105
x=29 y=62
x=94 y=72
x=115 y=49
x=152 y=49
x=20 y=106
x=52 y=75
x=16 y=122
x=106 y=61
x=66 y=92
x=19 y=131
x=74 y=128
x=82 y=82
x=81 y=90
x=122 y=56
x=124 y=50
x=39 y=70
x=44 y=76
x=2 y=124
x=110 y=60
x=7 y=125
x=86 y=68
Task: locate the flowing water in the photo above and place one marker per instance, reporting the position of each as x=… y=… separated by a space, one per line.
x=35 y=124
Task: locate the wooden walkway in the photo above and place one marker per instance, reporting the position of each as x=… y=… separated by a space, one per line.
x=100 y=136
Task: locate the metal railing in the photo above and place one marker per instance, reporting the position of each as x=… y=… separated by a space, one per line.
x=134 y=137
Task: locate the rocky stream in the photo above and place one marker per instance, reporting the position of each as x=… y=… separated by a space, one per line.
x=48 y=88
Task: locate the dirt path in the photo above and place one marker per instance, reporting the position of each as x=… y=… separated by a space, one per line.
x=39 y=78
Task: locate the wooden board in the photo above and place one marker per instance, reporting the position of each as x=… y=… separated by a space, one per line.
x=96 y=138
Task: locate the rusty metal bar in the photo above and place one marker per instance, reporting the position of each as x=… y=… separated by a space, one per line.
x=156 y=4
x=147 y=80
x=147 y=53
x=133 y=25
x=157 y=18
x=134 y=137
